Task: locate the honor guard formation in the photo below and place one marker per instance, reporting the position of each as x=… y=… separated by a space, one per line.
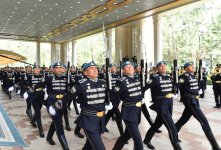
x=117 y=93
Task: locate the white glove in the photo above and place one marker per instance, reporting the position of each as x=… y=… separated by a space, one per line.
x=58 y=104
x=52 y=111
x=19 y=92
x=200 y=91
x=11 y=89
x=143 y=101
x=174 y=96
x=45 y=95
x=109 y=107
x=45 y=89
x=25 y=95
x=73 y=90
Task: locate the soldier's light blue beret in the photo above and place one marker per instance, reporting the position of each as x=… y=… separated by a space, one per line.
x=187 y=64
x=65 y=66
x=57 y=64
x=136 y=65
x=88 y=65
x=160 y=63
x=83 y=65
x=127 y=63
x=111 y=65
x=36 y=66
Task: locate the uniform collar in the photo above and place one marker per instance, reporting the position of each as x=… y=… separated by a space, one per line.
x=132 y=76
x=94 y=80
x=58 y=75
x=164 y=74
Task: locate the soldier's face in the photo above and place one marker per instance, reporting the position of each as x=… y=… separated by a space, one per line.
x=162 y=69
x=29 y=69
x=37 y=70
x=129 y=70
x=138 y=69
x=63 y=69
x=190 y=69
x=91 y=72
x=58 y=70
x=113 y=69
x=73 y=69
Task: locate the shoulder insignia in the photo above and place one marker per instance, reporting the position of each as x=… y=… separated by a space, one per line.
x=102 y=80
x=122 y=79
x=82 y=80
x=186 y=74
x=155 y=75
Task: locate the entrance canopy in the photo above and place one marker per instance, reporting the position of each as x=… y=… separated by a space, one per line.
x=7 y=57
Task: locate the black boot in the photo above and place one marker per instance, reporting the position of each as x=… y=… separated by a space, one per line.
x=118 y=145
x=77 y=132
x=76 y=108
x=149 y=135
x=9 y=95
x=33 y=122
x=29 y=113
x=63 y=142
x=177 y=146
x=114 y=117
x=212 y=140
x=50 y=134
x=68 y=128
x=120 y=126
x=146 y=114
x=39 y=124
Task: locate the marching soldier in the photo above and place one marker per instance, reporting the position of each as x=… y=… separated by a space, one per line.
x=78 y=77
x=72 y=82
x=163 y=102
x=216 y=80
x=56 y=89
x=181 y=74
x=16 y=78
x=101 y=74
x=22 y=81
x=36 y=96
x=203 y=82
x=91 y=96
x=80 y=74
x=190 y=87
x=65 y=109
x=144 y=107
x=28 y=70
x=51 y=71
x=115 y=101
x=9 y=82
x=128 y=88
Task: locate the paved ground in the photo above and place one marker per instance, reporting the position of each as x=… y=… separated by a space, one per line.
x=191 y=134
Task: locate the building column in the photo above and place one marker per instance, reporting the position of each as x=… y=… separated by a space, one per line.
x=147 y=41
x=63 y=52
x=53 y=53
x=157 y=26
x=38 y=45
x=123 y=43
x=74 y=53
